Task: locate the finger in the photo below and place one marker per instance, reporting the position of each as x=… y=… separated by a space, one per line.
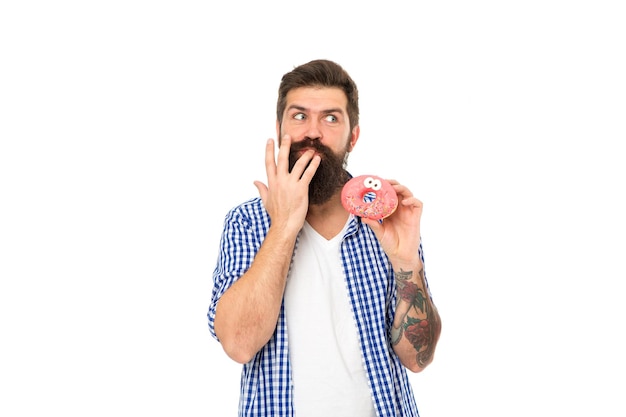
x=270 y=161
x=311 y=168
x=283 y=153
x=375 y=225
x=412 y=202
x=400 y=189
x=302 y=163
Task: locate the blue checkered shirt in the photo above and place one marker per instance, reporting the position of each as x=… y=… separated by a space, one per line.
x=266 y=385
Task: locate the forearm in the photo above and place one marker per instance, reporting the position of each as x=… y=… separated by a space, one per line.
x=416 y=325
x=247 y=312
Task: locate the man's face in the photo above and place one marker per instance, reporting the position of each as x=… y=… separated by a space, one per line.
x=316 y=118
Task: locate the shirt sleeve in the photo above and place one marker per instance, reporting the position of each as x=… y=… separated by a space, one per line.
x=238 y=245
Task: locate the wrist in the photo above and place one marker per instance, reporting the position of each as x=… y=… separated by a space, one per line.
x=406 y=265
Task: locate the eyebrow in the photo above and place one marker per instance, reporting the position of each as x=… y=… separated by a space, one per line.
x=326 y=111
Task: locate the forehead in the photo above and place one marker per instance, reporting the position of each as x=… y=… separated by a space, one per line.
x=317 y=98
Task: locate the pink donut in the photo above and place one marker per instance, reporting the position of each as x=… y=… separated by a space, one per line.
x=383 y=205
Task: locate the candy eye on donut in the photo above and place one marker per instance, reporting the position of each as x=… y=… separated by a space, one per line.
x=372 y=183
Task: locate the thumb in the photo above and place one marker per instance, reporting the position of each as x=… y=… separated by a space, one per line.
x=262 y=188
x=375 y=225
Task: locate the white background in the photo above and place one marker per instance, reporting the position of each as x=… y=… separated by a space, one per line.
x=128 y=128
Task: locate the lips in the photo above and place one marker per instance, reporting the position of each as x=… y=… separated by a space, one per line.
x=302 y=151
x=301 y=147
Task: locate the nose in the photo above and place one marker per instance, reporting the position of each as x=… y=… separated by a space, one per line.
x=313 y=130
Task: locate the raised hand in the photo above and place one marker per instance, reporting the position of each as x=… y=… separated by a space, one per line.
x=286 y=195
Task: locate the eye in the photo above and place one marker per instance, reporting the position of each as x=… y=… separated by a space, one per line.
x=372 y=183
x=330 y=118
x=299 y=116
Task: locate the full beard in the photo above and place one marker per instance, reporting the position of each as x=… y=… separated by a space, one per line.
x=330 y=176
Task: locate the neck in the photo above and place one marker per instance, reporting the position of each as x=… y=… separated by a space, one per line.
x=329 y=218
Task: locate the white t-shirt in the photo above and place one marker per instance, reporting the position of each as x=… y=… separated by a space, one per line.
x=327 y=367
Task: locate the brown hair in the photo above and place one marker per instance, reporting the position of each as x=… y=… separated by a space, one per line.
x=319 y=73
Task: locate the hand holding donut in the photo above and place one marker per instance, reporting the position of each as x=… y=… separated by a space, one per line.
x=399 y=232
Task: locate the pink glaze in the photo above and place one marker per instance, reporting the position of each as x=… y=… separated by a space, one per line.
x=382 y=206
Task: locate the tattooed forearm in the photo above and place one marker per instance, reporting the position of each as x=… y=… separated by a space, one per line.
x=416 y=317
x=406 y=288
x=406 y=294
x=403 y=275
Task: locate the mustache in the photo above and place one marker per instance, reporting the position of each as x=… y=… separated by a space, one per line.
x=311 y=144
x=308 y=143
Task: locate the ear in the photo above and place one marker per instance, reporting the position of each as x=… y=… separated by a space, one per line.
x=354 y=137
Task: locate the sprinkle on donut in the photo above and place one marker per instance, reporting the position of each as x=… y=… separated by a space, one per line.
x=369 y=196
